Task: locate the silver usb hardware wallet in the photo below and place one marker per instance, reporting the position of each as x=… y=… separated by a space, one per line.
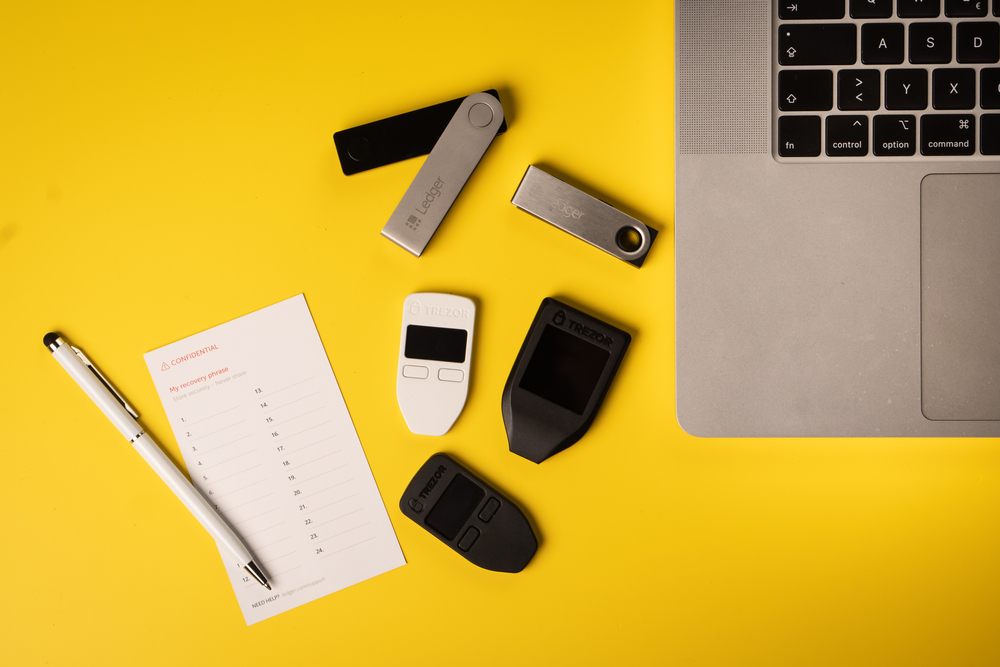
x=444 y=173
x=588 y=219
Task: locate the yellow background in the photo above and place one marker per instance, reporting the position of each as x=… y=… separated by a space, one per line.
x=166 y=167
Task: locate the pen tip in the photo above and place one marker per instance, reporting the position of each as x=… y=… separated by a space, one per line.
x=252 y=568
x=50 y=338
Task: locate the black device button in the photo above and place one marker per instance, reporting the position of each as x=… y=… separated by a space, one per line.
x=906 y=89
x=811 y=9
x=989 y=83
x=416 y=505
x=977 y=42
x=930 y=43
x=858 y=89
x=989 y=127
x=359 y=149
x=882 y=43
x=947 y=134
x=470 y=537
x=846 y=136
x=996 y=8
x=871 y=9
x=918 y=9
x=953 y=88
x=805 y=90
x=894 y=136
x=818 y=44
x=798 y=136
x=491 y=507
x=965 y=7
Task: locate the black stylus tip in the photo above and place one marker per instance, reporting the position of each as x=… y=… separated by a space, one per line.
x=50 y=338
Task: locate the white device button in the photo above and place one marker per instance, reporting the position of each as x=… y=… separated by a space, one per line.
x=418 y=372
x=451 y=375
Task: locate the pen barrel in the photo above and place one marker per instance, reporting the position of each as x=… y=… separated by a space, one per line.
x=196 y=503
x=98 y=393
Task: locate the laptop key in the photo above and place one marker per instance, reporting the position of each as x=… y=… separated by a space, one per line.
x=989 y=83
x=953 y=88
x=871 y=9
x=948 y=134
x=930 y=43
x=805 y=90
x=882 y=43
x=894 y=136
x=857 y=89
x=811 y=9
x=990 y=132
x=818 y=44
x=918 y=9
x=978 y=42
x=798 y=136
x=965 y=7
x=847 y=136
x=906 y=89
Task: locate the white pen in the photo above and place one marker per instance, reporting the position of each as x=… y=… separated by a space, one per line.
x=124 y=418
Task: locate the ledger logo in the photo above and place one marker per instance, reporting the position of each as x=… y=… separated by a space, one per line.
x=413 y=222
x=567 y=209
x=429 y=197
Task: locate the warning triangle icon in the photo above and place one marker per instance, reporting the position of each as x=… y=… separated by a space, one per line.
x=164 y=367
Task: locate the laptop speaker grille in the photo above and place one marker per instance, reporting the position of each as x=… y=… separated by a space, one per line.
x=723 y=77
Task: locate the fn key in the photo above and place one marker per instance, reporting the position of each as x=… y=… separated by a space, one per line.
x=799 y=136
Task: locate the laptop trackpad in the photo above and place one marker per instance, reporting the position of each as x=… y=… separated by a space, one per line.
x=960 y=296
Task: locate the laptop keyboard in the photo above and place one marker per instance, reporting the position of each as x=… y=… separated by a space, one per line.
x=881 y=80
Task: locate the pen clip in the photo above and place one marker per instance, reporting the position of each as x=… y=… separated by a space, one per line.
x=104 y=381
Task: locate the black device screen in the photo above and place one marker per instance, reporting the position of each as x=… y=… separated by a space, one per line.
x=564 y=369
x=457 y=503
x=435 y=343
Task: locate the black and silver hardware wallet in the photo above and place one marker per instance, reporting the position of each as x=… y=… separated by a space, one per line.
x=396 y=138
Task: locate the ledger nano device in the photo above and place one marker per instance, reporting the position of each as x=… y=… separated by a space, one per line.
x=444 y=173
x=401 y=137
x=588 y=219
x=559 y=379
x=435 y=354
x=470 y=516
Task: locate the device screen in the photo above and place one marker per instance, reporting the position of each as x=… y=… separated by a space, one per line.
x=564 y=369
x=457 y=503
x=435 y=343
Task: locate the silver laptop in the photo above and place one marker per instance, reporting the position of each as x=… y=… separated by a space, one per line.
x=838 y=217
